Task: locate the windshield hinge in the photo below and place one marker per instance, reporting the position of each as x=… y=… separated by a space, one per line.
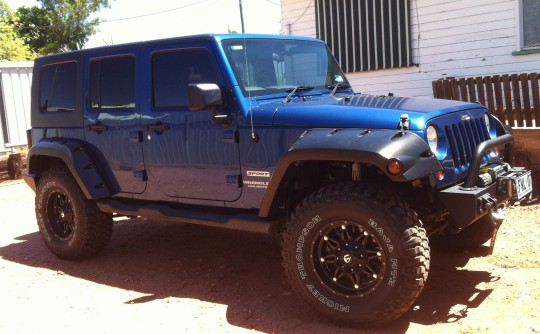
x=404 y=122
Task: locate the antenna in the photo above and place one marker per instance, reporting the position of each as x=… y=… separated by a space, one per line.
x=254 y=136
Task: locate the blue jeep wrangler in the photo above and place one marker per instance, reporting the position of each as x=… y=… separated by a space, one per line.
x=265 y=134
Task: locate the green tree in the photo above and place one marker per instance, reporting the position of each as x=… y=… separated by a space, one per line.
x=33 y=27
x=12 y=47
x=58 y=25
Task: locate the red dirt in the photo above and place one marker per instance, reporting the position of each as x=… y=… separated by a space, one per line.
x=169 y=277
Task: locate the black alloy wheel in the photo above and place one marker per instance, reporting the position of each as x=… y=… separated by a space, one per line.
x=60 y=215
x=349 y=259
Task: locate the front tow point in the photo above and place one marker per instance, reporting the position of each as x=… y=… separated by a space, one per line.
x=497 y=218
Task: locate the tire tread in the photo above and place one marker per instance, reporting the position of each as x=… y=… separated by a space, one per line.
x=414 y=242
x=98 y=225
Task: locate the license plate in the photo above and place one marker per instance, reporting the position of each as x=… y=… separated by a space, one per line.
x=523 y=185
x=516 y=183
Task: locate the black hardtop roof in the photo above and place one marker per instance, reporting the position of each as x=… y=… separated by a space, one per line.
x=118 y=47
x=70 y=55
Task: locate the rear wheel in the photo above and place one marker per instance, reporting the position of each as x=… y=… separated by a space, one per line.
x=356 y=253
x=71 y=226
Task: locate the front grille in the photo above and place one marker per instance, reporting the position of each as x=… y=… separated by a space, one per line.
x=463 y=139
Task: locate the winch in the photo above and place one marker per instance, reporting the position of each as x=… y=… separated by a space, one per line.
x=491 y=173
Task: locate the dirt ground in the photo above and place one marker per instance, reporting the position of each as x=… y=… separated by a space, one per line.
x=168 y=277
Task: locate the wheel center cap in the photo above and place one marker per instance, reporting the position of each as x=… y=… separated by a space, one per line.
x=351 y=253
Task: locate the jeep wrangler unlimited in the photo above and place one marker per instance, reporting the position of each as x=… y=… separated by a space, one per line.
x=265 y=134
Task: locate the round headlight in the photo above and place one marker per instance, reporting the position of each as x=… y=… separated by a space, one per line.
x=432 y=139
x=486 y=120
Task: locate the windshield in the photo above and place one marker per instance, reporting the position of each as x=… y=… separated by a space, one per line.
x=270 y=66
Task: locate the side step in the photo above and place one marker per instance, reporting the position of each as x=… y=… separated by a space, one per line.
x=202 y=216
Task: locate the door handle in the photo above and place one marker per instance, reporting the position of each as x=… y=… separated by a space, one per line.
x=98 y=127
x=158 y=127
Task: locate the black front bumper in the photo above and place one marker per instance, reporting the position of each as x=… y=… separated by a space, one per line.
x=467 y=202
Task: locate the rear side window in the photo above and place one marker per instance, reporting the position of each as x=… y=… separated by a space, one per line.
x=112 y=83
x=173 y=71
x=58 y=87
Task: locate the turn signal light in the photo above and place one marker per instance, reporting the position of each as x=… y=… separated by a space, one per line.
x=439 y=175
x=394 y=167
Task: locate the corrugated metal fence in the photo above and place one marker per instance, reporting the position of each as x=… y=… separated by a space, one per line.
x=15 y=82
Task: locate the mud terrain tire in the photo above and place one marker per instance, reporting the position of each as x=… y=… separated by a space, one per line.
x=355 y=253
x=72 y=227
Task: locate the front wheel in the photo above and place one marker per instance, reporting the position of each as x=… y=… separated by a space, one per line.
x=356 y=253
x=72 y=226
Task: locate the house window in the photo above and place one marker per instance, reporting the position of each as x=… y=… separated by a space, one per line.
x=365 y=34
x=530 y=24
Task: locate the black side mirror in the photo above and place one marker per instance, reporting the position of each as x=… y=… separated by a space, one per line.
x=204 y=96
x=207 y=96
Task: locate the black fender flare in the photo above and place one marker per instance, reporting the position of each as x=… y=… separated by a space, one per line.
x=375 y=147
x=77 y=158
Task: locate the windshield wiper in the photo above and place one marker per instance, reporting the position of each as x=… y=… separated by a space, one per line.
x=339 y=85
x=292 y=91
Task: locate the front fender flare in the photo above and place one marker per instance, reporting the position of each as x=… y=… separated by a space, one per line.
x=76 y=157
x=375 y=147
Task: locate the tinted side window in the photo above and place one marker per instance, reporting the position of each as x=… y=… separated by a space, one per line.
x=173 y=71
x=57 y=87
x=112 y=83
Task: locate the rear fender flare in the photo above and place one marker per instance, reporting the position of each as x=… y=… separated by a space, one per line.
x=77 y=158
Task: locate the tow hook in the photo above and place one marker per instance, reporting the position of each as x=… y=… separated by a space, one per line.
x=497 y=218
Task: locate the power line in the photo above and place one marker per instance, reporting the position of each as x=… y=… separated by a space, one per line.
x=109 y=21
x=272 y=2
x=155 y=13
x=304 y=13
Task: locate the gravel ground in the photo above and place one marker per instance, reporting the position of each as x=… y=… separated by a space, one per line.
x=169 y=277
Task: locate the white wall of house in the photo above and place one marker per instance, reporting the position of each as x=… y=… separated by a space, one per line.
x=449 y=38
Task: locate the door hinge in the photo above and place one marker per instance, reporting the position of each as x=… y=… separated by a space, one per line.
x=231 y=136
x=234 y=180
x=136 y=136
x=140 y=174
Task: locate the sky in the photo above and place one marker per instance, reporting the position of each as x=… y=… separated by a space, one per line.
x=132 y=20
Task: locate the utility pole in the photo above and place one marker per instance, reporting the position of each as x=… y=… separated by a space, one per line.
x=242 y=16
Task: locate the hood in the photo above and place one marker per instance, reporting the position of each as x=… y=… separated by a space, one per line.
x=359 y=111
